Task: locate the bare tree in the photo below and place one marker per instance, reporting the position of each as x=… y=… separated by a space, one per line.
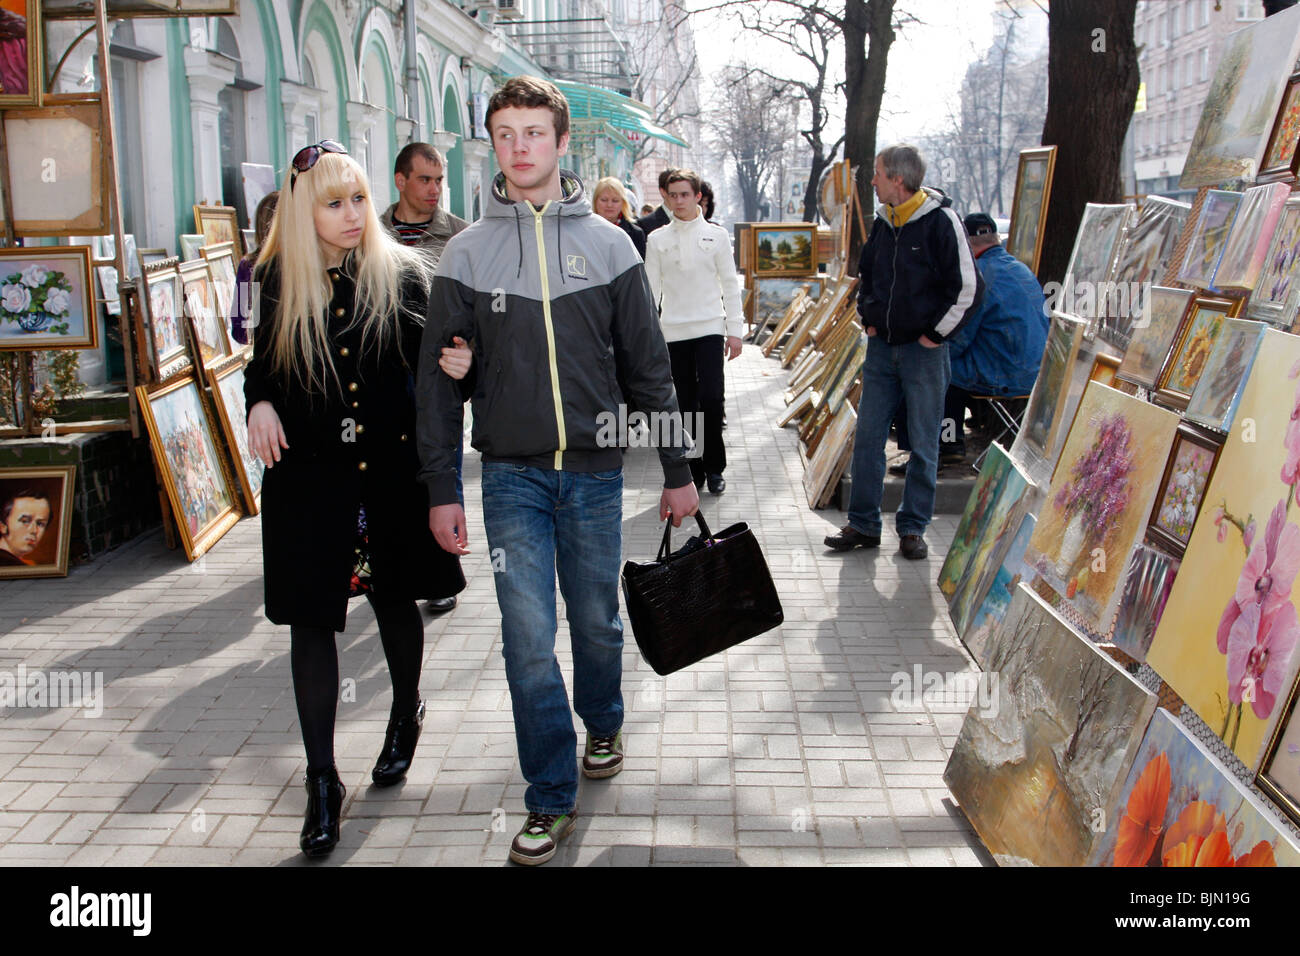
x=665 y=72
x=753 y=123
x=868 y=34
x=1094 y=675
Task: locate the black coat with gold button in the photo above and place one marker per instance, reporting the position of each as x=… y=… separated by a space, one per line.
x=352 y=446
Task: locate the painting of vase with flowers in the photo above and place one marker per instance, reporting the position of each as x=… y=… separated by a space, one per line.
x=1227 y=643
x=1181 y=807
x=1103 y=488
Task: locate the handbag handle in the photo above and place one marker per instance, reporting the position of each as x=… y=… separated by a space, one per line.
x=666 y=544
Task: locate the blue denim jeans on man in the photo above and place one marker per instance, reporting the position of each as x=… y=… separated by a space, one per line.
x=890 y=375
x=540 y=523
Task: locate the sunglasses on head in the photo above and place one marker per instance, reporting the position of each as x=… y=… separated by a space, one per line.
x=306 y=157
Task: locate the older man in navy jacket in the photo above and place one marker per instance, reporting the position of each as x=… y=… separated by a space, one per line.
x=917 y=285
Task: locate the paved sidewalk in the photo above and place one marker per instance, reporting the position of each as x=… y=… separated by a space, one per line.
x=785 y=750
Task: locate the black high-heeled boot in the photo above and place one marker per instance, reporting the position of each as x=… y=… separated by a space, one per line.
x=399 y=748
x=320 y=829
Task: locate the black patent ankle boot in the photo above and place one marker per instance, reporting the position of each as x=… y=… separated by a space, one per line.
x=320 y=829
x=399 y=748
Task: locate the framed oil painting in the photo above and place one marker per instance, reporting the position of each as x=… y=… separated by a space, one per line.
x=1104 y=368
x=1046 y=410
x=187 y=457
x=1277 y=293
x=1092 y=262
x=1192 y=351
x=200 y=308
x=1100 y=496
x=1279 y=775
x=1154 y=335
x=63 y=136
x=1280 y=159
x=226 y=378
x=221 y=265
x=1182 y=488
x=974 y=518
x=1179 y=806
x=1227 y=643
x=1030 y=771
x=190 y=246
x=1148 y=579
x=1214 y=400
x=1029 y=205
x=218 y=225
x=1144 y=256
x=1243 y=254
x=788 y=249
x=164 y=308
x=993 y=606
x=773 y=296
x=1218 y=213
x=20 y=63
x=258 y=180
x=35 y=520
x=1242 y=102
x=46 y=299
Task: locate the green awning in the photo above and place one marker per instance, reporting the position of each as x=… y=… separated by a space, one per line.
x=621 y=112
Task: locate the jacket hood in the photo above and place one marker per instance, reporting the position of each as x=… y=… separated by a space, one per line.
x=935 y=198
x=574 y=204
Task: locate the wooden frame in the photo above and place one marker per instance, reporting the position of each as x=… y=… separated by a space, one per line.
x=165 y=320
x=64 y=134
x=1172 y=395
x=1286 y=801
x=234 y=428
x=56 y=483
x=1284 y=154
x=1196 y=268
x=1138 y=359
x=211 y=342
x=795 y=268
x=1029 y=248
x=1104 y=368
x=35 y=58
x=1161 y=537
x=219 y=225
x=198 y=530
x=221 y=266
x=70 y=289
x=85 y=9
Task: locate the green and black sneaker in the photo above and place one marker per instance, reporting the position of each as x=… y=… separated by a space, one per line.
x=603 y=756
x=538 y=840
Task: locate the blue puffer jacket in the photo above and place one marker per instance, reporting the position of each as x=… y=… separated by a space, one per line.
x=997 y=350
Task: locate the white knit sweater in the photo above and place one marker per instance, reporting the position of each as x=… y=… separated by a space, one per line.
x=693 y=278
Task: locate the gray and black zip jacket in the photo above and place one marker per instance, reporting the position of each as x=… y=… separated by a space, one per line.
x=552 y=301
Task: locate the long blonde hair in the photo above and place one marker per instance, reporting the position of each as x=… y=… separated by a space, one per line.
x=610 y=184
x=300 y=348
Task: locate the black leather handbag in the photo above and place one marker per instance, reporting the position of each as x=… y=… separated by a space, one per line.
x=711 y=594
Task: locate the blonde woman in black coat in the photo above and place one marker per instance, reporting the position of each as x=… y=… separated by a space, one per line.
x=332 y=414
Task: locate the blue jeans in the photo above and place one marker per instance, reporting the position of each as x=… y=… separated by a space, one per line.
x=540 y=523
x=893 y=374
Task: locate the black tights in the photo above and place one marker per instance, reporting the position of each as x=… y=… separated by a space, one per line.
x=314 y=660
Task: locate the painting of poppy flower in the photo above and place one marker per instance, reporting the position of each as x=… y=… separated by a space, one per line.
x=1179 y=806
x=1229 y=640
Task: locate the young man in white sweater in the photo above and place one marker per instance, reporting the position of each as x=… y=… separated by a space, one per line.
x=693 y=278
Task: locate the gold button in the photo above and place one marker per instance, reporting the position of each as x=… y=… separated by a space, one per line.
x=334 y=276
x=355 y=404
x=352 y=386
x=340 y=312
x=344 y=352
x=403 y=438
x=361 y=429
x=361 y=466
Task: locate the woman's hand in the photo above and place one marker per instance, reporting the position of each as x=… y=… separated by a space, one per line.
x=456 y=361
x=265 y=433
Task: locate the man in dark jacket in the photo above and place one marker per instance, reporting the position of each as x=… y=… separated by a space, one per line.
x=659 y=218
x=917 y=284
x=554 y=300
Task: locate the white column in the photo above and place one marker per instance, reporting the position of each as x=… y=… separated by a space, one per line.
x=208 y=75
x=298 y=101
x=362 y=118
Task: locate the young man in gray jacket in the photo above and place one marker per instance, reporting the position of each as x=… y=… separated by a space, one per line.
x=552 y=299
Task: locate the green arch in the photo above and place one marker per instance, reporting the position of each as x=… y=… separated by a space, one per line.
x=274 y=74
x=456 y=155
x=426 y=96
x=320 y=21
x=183 y=131
x=386 y=67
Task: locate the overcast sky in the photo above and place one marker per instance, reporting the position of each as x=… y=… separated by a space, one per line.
x=926 y=62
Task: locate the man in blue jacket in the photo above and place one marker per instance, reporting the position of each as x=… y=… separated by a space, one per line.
x=917 y=285
x=997 y=350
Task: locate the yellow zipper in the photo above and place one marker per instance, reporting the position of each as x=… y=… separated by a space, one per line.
x=550 y=335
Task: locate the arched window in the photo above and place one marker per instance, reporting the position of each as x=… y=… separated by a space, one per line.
x=311 y=120
x=232 y=126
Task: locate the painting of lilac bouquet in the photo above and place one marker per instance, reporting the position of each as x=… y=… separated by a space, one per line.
x=1098 y=489
x=38 y=299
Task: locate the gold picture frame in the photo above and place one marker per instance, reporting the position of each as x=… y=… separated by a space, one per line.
x=232 y=416
x=34 y=48
x=1029 y=204
x=47 y=299
x=219 y=225
x=47 y=555
x=58 y=179
x=211 y=343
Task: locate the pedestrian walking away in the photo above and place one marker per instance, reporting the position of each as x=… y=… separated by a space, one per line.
x=330 y=395
x=554 y=302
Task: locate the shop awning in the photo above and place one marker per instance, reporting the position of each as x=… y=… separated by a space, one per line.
x=621 y=112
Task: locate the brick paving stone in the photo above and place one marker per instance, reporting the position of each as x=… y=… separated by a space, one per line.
x=786 y=750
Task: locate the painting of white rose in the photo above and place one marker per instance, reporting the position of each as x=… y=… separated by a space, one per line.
x=46 y=299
